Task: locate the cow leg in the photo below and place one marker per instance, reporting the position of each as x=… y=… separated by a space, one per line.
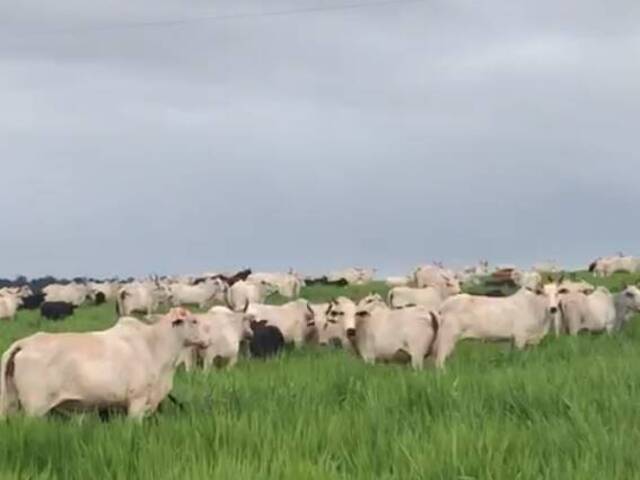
x=233 y=360
x=519 y=342
x=138 y=408
x=444 y=345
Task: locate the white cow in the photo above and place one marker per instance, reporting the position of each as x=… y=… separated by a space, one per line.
x=129 y=366
x=606 y=266
x=397 y=281
x=108 y=289
x=595 y=312
x=530 y=280
x=74 y=293
x=286 y=284
x=245 y=291
x=353 y=275
x=435 y=276
x=295 y=320
x=377 y=332
x=430 y=297
x=202 y=293
x=224 y=331
x=524 y=318
x=9 y=304
x=141 y=297
x=627 y=304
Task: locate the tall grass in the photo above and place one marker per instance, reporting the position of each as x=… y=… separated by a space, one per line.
x=567 y=409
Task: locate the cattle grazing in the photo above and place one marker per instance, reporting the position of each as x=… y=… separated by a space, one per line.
x=56 y=310
x=129 y=366
x=523 y=318
x=266 y=341
x=430 y=297
x=32 y=302
x=287 y=285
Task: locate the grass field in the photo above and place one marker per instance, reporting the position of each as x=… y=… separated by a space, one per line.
x=569 y=409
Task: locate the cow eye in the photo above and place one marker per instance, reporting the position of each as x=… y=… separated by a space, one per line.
x=630 y=294
x=562 y=291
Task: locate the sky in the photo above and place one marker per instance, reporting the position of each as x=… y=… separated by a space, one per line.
x=155 y=136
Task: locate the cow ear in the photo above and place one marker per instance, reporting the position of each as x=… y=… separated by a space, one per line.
x=177 y=323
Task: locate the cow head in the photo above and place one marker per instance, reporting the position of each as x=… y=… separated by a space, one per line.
x=341 y=314
x=189 y=329
x=631 y=298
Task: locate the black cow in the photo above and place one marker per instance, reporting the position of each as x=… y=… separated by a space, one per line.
x=341 y=282
x=32 y=302
x=266 y=341
x=57 y=310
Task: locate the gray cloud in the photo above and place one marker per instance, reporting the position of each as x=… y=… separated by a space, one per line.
x=383 y=136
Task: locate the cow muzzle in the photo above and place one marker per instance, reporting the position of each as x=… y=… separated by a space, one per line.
x=351 y=332
x=553 y=310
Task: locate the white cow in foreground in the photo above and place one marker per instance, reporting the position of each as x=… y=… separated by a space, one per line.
x=378 y=333
x=295 y=320
x=224 y=330
x=128 y=366
x=524 y=318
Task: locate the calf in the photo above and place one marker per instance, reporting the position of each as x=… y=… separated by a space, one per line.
x=56 y=310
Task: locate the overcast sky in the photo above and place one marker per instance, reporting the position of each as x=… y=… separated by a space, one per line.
x=382 y=136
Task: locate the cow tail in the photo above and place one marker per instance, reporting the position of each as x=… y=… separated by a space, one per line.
x=8 y=391
x=435 y=326
x=592 y=267
x=390 y=299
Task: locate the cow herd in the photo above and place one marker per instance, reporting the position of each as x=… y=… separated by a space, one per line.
x=131 y=365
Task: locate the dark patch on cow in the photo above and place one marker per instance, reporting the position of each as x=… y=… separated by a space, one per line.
x=325 y=281
x=267 y=340
x=593 y=266
x=100 y=298
x=56 y=310
x=32 y=302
